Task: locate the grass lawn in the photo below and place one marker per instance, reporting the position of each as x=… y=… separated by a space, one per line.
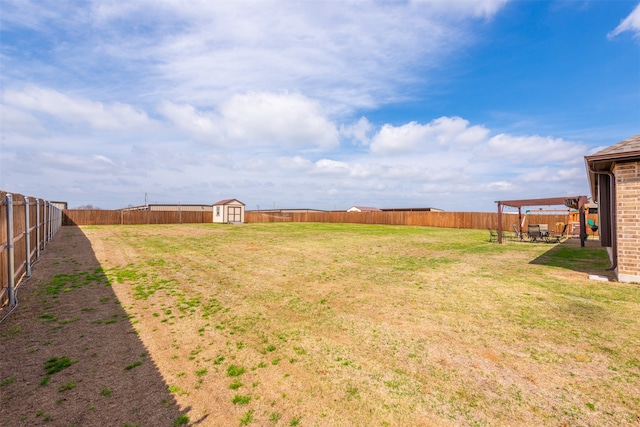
x=356 y=325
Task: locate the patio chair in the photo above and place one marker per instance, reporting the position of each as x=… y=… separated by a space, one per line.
x=533 y=232
x=493 y=235
x=544 y=232
x=517 y=232
x=556 y=238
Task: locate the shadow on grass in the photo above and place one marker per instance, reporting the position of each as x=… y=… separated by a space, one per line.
x=590 y=259
x=69 y=318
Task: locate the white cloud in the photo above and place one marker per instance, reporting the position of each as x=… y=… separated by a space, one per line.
x=90 y=164
x=35 y=15
x=331 y=167
x=533 y=150
x=549 y=174
x=391 y=139
x=497 y=186
x=630 y=23
x=20 y=122
x=204 y=52
x=359 y=131
x=202 y=126
x=473 y=8
x=442 y=133
x=99 y=158
x=286 y=120
x=74 y=109
x=291 y=164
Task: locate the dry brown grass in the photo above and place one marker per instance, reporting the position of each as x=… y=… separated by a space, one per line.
x=352 y=325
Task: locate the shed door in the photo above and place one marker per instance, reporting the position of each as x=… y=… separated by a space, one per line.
x=235 y=214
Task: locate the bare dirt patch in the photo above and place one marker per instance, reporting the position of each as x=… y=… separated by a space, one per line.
x=67 y=311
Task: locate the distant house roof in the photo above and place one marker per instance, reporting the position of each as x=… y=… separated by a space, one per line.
x=61 y=205
x=412 y=210
x=363 y=209
x=167 y=207
x=227 y=201
x=291 y=210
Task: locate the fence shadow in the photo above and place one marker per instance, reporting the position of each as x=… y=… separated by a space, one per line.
x=69 y=315
x=590 y=259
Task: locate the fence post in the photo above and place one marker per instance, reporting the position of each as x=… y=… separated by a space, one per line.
x=49 y=221
x=44 y=225
x=37 y=229
x=10 y=256
x=27 y=235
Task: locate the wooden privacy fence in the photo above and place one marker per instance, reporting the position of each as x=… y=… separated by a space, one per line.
x=130 y=217
x=26 y=225
x=471 y=220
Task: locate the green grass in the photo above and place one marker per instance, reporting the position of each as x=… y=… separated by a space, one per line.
x=181 y=420
x=45 y=416
x=7 y=381
x=177 y=390
x=46 y=317
x=385 y=325
x=69 y=282
x=240 y=399
x=247 y=418
x=275 y=417
x=133 y=365
x=235 y=371
x=57 y=364
x=68 y=386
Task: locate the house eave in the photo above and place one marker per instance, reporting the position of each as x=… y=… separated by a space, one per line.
x=604 y=163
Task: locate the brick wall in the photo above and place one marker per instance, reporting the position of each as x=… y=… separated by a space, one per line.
x=628 y=220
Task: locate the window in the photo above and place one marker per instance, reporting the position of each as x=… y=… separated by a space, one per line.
x=217 y=210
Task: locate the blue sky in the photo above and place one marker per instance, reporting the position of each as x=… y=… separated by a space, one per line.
x=323 y=104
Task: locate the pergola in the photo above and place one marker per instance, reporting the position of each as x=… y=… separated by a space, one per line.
x=572 y=202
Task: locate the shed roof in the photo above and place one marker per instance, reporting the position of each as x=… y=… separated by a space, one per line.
x=227 y=201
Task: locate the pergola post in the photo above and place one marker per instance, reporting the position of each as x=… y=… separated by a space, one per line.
x=499 y=222
x=520 y=223
x=583 y=221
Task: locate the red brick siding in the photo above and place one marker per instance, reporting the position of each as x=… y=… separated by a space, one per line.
x=628 y=220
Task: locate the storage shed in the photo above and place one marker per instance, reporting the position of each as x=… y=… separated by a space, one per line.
x=228 y=210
